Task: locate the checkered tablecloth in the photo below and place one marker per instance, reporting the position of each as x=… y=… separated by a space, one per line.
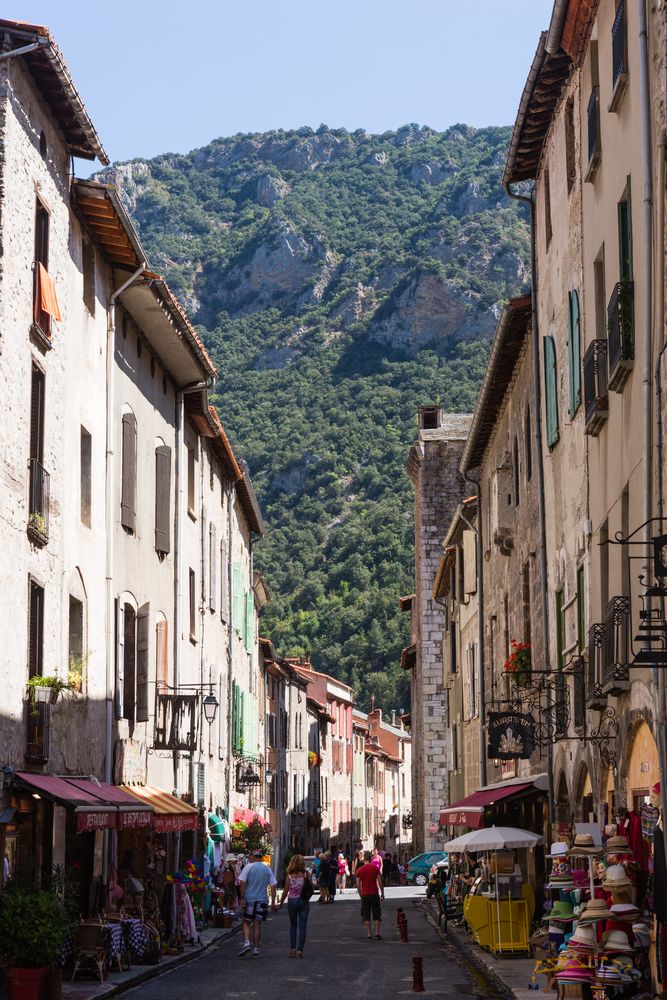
x=115 y=943
x=137 y=937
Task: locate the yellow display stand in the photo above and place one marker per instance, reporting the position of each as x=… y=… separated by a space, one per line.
x=484 y=915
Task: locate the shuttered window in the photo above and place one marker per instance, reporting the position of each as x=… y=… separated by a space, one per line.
x=162 y=498
x=162 y=651
x=142 y=664
x=36 y=630
x=249 y=629
x=550 y=391
x=128 y=514
x=224 y=582
x=238 y=607
x=120 y=658
x=212 y=566
x=37 y=414
x=193 y=607
x=574 y=352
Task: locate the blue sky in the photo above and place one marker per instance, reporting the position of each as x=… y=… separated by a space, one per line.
x=162 y=76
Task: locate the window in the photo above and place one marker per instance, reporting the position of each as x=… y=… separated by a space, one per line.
x=193 y=607
x=600 y=296
x=574 y=352
x=162 y=651
x=625 y=235
x=35 y=630
x=128 y=502
x=551 y=391
x=249 y=630
x=619 y=57
x=581 y=610
x=224 y=582
x=526 y=602
x=560 y=630
x=517 y=471
x=570 y=156
x=162 y=498
x=548 y=232
x=38 y=484
x=89 y=276
x=76 y=644
x=86 y=474
x=191 y=482
x=212 y=566
x=37 y=400
x=42 y=221
x=132 y=663
x=528 y=434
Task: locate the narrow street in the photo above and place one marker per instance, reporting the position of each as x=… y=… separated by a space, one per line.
x=338 y=961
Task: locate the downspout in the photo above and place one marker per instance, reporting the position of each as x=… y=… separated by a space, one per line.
x=479 y=555
x=230 y=637
x=537 y=423
x=109 y=527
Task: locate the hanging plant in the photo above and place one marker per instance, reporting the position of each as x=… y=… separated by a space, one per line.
x=519 y=662
x=45 y=690
x=313 y=759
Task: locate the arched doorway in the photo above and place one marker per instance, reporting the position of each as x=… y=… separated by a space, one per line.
x=563 y=812
x=642 y=769
x=583 y=803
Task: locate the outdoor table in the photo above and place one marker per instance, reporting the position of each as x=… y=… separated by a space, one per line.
x=137 y=938
x=115 y=943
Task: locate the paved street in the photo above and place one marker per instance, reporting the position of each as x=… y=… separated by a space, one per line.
x=338 y=961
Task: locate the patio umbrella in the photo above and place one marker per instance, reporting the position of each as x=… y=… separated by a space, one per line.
x=495 y=838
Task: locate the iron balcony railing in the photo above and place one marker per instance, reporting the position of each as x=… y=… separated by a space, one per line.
x=594 y=144
x=621 y=333
x=39 y=725
x=38 y=501
x=617 y=658
x=595 y=698
x=561 y=708
x=618 y=60
x=596 y=396
x=579 y=692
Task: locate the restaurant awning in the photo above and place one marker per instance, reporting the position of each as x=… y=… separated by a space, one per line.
x=470 y=811
x=171 y=814
x=97 y=805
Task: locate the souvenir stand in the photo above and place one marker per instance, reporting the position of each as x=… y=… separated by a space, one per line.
x=499 y=907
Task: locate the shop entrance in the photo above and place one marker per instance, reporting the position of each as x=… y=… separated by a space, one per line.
x=643 y=769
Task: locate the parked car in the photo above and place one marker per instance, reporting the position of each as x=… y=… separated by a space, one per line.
x=418 y=868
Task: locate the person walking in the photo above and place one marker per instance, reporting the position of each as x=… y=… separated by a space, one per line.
x=370 y=889
x=297 y=889
x=333 y=874
x=376 y=860
x=343 y=872
x=325 y=868
x=254 y=882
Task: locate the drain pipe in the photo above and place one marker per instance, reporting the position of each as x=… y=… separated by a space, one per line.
x=537 y=423
x=231 y=492
x=479 y=555
x=110 y=519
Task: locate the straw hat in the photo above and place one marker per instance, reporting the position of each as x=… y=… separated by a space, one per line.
x=595 y=909
x=617 y=845
x=625 y=911
x=616 y=943
x=561 y=911
x=558 y=850
x=615 y=878
x=583 y=938
x=583 y=844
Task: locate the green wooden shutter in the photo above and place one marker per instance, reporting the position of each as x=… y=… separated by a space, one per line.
x=249 y=630
x=243 y=723
x=236 y=735
x=574 y=352
x=238 y=612
x=550 y=391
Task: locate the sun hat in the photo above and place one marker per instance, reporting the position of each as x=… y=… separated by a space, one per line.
x=616 y=942
x=583 y=938
x=558 y=850
x=595 y=909
x=561 y=911
x=574 y=970
x=583 y=844
x=616 y=878
x=627 y=912
x=617 y=845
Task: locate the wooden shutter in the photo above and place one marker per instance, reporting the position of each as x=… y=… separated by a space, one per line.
x=162 y=497
x=574 y=352
x=120 y=658
x=249 y=629
x=162 y=652
x=550 y=391
x=128 y=515
x=36 y=630
x=238 y=616
x=201 y=785
x=212 y=569
x=42 y=220
x=193 y=611
x=37 y=415
x=142 y=664
x=224 y=582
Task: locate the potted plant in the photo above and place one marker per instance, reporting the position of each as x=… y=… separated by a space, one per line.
x=33 y=928
x=46 y=689
x=519 y=663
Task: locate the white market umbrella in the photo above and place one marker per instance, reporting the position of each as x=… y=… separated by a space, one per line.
x=495 y=838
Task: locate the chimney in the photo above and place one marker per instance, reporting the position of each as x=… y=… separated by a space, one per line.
x=372 y=703
x=430 y=418
x=393 y=716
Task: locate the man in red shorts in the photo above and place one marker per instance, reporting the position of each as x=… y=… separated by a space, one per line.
x=370 y=888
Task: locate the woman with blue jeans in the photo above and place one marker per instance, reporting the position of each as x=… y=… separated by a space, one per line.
x=297 y=906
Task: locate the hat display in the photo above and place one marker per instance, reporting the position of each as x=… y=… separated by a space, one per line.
x=561 y=874
x=627 y=912
x=583 y=938
x=558 y=850
x=642 y=934
x=616 y=943
x=573 y=970
x=617 y=845
x=561 y=912
x=595 y=909
x=616 y=878
x=580 y=878
x=583 y=844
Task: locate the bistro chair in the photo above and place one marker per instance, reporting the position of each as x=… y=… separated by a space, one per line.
x=90 y=948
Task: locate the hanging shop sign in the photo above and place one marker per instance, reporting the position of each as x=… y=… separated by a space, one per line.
x=511 y=736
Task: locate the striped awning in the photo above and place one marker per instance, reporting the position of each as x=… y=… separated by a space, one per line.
x=171 y=814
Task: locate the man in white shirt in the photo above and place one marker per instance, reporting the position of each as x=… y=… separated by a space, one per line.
x=254 y=881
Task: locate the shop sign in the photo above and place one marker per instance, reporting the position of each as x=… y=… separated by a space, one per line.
x=511 y=736
x=86 y=821
x=130 y=762
x=175 y=822
x=133 y=818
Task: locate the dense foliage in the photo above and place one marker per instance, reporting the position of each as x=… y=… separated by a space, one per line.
x=340 y=281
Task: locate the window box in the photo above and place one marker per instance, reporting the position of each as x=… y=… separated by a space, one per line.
x=596 y=396
x=621 y=333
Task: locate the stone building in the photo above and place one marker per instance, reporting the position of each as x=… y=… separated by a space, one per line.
x=433 y=467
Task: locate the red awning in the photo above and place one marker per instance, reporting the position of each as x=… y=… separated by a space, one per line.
x=171 y=814
x=470 y=811
x=98 y=806
x=248 y=816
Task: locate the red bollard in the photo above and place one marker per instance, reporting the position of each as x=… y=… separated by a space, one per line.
x=403 y=929
x=399 y=914
x=417 y=976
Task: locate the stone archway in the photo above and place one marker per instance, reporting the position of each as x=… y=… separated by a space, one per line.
x=562 y=801
x=584 y=806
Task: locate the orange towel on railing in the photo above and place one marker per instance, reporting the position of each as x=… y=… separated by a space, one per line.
x=48 y=300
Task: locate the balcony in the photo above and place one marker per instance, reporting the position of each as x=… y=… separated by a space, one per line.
x=39 y=725
x=619 y=59
x=621 y=333
x=596 y=395
x=595 y=698
x=579 y=692
x=617 y=658
x=41 y=325
x=594 y=143
x=38 y=502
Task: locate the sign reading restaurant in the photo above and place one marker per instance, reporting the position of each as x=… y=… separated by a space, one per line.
x=511 y=736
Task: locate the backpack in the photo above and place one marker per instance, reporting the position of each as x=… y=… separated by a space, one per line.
x=307 y=888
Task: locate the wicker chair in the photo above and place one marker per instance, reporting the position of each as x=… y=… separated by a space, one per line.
x=90 y=948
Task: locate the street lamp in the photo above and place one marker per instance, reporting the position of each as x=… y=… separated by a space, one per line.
x=210 y=706
x=268 y=774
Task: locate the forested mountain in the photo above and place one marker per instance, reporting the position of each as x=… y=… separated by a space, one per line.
x=339 y=280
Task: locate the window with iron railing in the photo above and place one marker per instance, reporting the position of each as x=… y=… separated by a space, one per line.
x=38 y=502
x=619 y=57
x=621 y=333
x=42 y=319
x=596 y=395
x=617 y=658
x=596 y=641
x=594 y=142
x=579 y=692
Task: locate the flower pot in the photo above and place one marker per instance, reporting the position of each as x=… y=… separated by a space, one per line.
x=26 y=984
x=46 y=695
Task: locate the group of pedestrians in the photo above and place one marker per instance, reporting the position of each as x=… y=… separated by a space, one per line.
x=256 y=883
